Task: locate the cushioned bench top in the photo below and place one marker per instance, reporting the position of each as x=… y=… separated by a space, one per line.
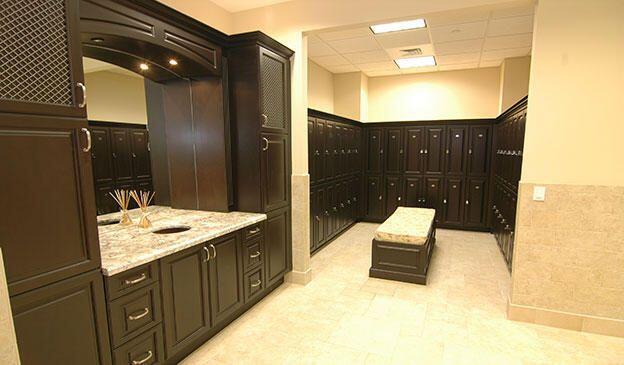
x=407 y=225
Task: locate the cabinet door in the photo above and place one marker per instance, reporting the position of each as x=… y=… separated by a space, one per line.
x=277 y=239
x=186 y=297
x=394 y=189
x=414 y=151
x=104 y=201
x=374 y=195
x=63 y=323
x=101 y=156
x=122 y=154
x=475 y=202
x=48 y=231
x=394 y=150
x=455 y=151
x=141 y=164
x=330 y=149
x=433 y=195
x=453 y=203
x=319 y=149
x=413 y=192
x=274 y=170
x=478 y=150
x=226 y=276
x=43 y=74
x=434 y=148
x=374 y=153
x=274 y=92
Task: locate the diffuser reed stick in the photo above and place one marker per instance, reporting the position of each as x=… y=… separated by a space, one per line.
x=143 y=199
x=122 y=197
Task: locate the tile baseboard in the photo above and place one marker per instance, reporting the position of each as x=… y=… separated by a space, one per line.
x=299 y=277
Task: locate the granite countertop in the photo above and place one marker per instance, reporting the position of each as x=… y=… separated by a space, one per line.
x=407 y=225
x=126 y=247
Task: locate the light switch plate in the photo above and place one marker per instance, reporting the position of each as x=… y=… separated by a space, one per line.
x=539 y=193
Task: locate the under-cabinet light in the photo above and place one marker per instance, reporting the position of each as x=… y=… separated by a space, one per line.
x=144 y=66
x=415 y=62
x=398 y=26
x=173 y=62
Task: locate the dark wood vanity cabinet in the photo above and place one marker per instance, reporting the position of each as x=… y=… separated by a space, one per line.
x=226 y=267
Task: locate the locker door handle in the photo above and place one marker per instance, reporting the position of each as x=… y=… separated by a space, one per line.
x=317 y=153
x=444 y=201
x=401 y=151
x=421 y=151
x=467 y=202
x=380 y=197
x=317 y=218
x=326 y=213
x=426 y=152
x=381 y=152
x=399 y=198
x=470 y=151
x=447 y=152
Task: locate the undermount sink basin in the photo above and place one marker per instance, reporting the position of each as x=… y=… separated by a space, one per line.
x=108 y=222
x=172 y=229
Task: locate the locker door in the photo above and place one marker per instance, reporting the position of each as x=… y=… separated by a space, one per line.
x=313 y=219
x=374 y=201
x=319 y=149
x=358 y=147
x=433 y=190
x=374 y=154
x=478 y=151
x=434 y=147
x=413 y=196
x=393 y=191
x=355 y=197
x=475 y=202
x=312 y=150
x=394 y=150
x=340 y=150
x=414 y=151
x=453 y=204
x=342 y=205
x=335 y=203
x=319 y=216
x=328 y=224
x=455 y=151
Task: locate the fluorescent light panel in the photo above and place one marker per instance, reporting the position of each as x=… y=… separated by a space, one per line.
x=415 y=62
x=398 y=26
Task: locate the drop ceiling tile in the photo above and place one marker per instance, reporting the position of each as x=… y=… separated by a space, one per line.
x=505 y=53
x=458 y=58
x=491 y=63
x=459 y=32
x=383 y=73
x=313 y=38
x=319 y=49
x=417 y=70
x=457 y=17
x=367 y=57
x=342 y=69
x=508 y=41
x=378 y=66
x=403 y=39
x=333 y=60
x=470 y=45
x=426 y=50
x=506 y=26
x=459 y=66
x=345 y=34
x=513 y=11
x=353 y=45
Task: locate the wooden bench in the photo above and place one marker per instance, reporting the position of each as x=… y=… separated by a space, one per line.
x=403 y=245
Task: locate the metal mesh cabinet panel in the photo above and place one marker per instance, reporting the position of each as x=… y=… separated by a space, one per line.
x=34 y=52
x=273 y=92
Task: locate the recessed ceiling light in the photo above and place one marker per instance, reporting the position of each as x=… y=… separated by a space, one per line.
x=398 y=26
x=144 y=66
x=97 y=40
x=415 y=62
x=173 y=62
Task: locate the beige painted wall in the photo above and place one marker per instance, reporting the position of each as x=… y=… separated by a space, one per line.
x=116 y=97
x=436 y=95
x=574 y=123
x=514 y=81
x=320 y=88
x=348 y=94
x=205 y=11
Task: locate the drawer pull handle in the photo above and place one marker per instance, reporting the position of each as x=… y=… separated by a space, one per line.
x=256 y=284
x=136 y=281
x=134 y=317
x=253 y=256
x=254 y=231
x=143 y=360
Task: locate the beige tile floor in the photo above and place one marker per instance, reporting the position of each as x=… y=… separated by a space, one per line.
x=345 y=317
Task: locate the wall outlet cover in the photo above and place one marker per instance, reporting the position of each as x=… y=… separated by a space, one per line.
x=539 y=193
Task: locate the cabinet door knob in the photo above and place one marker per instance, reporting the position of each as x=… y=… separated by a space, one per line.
x=266 y=144
x=214 y=249
x=207 y=253
x=84 y=95
x=88 y=134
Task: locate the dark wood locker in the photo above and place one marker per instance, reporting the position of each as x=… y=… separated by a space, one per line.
x=414 y=150
x=342 y=150
x=374 y=198
x=274 y=91
x=413 y=191
x=122 y=154
x=277 y=237
x=432 y=188
x=101 y=156
x=274 y=170
x=352 y=166
x=312 y=150
x=141 y=165
x=330 y=150
x=434 y=150
x=478 y=150
x=393 y=193
x=104 y=201
x=358 y=150
x=186 y=297
x=374 y=155
x=356 y=186
x=226 y=276
x=335 y=208
x=453 y=202
x=342 y=204
x=394 y=150
x=475 y=202
x=318 y=220
x=456 y=151
x=319 y=151
x=328 y=213
x=63 y=323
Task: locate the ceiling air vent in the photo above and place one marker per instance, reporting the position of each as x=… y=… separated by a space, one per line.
x=411 y=52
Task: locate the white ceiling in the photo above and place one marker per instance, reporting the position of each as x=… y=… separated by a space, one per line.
x=234 y=6
x=460 y=39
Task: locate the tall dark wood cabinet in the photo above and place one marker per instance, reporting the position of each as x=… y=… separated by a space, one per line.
x=259 y=95
x=49 y=240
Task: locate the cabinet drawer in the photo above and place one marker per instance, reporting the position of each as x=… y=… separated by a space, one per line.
x=127 y=281
x=254 y=283
x=253 y=231
x=253 y=254
x=146 y=349
x=134 y=312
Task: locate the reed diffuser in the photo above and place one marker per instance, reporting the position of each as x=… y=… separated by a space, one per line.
x=122 y=197
x=143 y=199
